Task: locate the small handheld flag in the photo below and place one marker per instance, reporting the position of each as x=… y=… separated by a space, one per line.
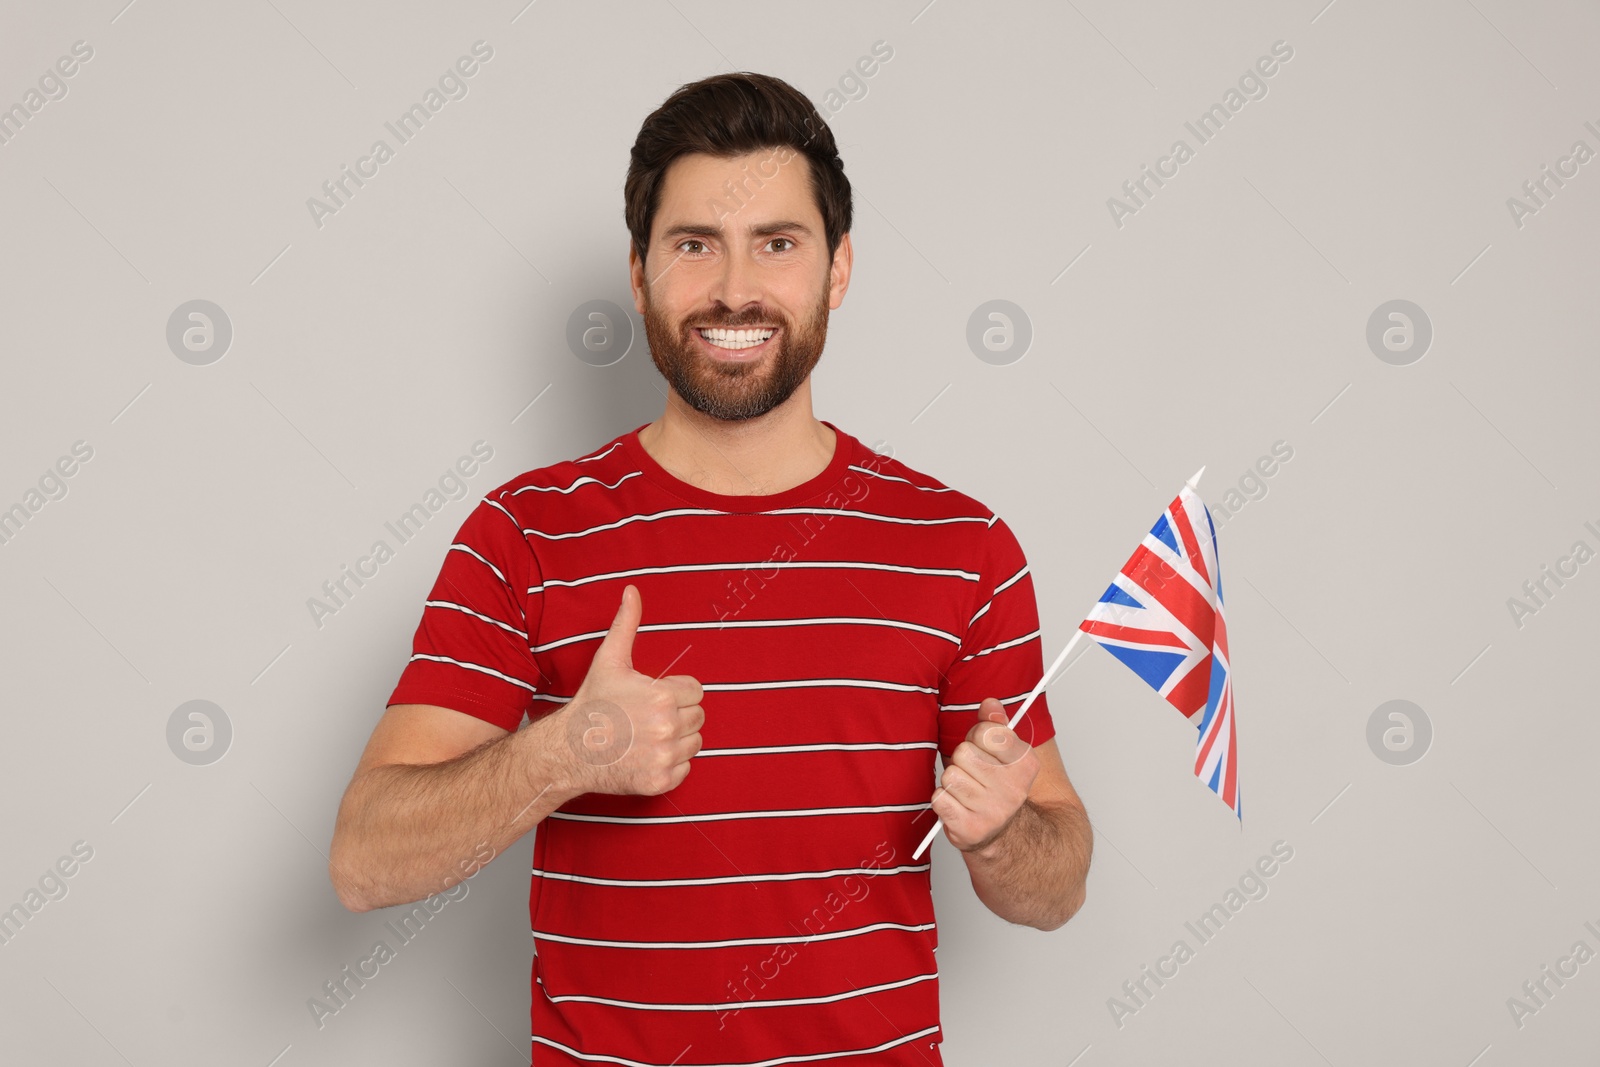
x=1162 y=617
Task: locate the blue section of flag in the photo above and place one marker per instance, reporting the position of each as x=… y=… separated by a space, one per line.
x=1115 y=594
x=1153 y=667
x=1163 y=531
x=1216 y=579
x=1219 y=678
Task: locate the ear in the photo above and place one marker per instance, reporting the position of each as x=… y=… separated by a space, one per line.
x=636 y=277
x=839 y=272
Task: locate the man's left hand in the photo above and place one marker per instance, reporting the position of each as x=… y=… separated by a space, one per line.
x=986 y=781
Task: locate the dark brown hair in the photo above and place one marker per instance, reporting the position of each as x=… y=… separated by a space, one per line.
x=728 y=115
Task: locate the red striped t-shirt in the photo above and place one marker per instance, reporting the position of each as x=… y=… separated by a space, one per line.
x=767 y=910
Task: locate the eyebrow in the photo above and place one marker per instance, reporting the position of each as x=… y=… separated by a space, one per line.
x=764 y=229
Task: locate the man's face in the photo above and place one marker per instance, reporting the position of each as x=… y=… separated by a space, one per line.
x=735 y=292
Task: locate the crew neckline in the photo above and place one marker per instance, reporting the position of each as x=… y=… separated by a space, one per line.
x=844 y=448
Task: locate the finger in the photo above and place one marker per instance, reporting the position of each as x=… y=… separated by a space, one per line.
x=616 y=648
x=691 y=719
x=948 y=810
x=972 y=756
x=688 y=747
x=685 y=689
x=998 y=741
x=961 y=786
x=679 y=773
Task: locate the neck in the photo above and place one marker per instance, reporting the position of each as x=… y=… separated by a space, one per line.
x=754 y=457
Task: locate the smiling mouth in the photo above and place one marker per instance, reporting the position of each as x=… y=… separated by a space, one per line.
x=736 y=340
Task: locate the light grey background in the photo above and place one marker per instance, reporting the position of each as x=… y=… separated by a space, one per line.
x=1229 y=313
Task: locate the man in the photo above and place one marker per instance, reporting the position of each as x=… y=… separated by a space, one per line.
x=722 y=866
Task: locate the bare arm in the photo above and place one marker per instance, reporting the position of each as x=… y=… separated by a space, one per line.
x=439 y=793
x=1018 y=823
x=1034 y=873
x=436 y=795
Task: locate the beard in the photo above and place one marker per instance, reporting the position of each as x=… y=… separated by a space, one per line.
x=736 y=391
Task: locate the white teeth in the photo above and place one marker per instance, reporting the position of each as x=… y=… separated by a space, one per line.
x=735 y=340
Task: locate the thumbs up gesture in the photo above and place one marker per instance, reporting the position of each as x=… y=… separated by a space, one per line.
x=626 y=732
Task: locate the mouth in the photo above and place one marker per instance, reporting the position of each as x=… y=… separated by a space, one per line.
x=736 y=344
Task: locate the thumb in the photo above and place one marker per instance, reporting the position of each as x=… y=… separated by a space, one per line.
x=991 y=710
x=616 y=647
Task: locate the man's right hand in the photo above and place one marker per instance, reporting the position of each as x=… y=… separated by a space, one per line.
x=625 y=732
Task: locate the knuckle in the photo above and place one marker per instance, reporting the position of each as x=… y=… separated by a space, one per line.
x=684 y=688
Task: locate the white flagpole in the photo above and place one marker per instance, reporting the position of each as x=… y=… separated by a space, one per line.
x=1192 y=483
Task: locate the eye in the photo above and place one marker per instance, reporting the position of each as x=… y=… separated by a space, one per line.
x=785 y=240
x=692 y=241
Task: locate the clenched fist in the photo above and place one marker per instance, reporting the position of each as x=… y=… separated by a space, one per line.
x=986 y=781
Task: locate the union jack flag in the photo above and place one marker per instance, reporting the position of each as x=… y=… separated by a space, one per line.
x=1162 y=616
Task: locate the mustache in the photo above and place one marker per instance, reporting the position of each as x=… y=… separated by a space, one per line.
x=734 y=322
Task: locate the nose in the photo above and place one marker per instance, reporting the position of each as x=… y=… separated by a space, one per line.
x=738 y=284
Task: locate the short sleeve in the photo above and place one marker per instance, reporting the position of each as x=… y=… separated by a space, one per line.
x=472 y=651
x=1001 y=655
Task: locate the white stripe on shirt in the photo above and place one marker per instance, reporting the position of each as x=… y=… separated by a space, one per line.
x=832 y=935
x=841 y=620
x=676 y=512
x=474 y=614
x=726 y=1005
x=475 y=667
x=1024 y=639
x=469 y=550
x=723 y=816
x=590 y=459
x=897 y=478
x=730 y=879
x=974 y=707
x=840 y=747
x=763 y=565
x=778 y=1062
x=585 y=480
